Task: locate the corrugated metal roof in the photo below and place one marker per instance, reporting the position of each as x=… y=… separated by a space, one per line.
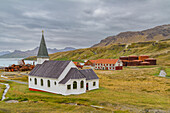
x=93 y=61
x=74 y=73
x=49 y=69
x=106 y=61
x=89 y=74
x=42 y=49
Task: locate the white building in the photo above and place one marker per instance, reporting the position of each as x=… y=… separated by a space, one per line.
x=108 y=64
x=60 y=77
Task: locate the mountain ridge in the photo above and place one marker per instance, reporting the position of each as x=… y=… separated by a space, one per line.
x=4 y=52
x=33 y=52
x=153 y=34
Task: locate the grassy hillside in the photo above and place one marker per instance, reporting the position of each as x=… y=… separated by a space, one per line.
x=159 y=50
x=134 y=89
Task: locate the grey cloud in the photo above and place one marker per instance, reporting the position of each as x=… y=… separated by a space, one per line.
x=76 y=23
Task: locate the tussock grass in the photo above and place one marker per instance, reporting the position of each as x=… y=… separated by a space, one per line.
x=132 y=89
x=2 y=88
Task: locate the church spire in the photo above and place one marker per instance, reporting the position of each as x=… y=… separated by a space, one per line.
x=42 y=53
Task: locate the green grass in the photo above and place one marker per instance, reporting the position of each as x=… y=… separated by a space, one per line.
x=127 y=89
x=167 y=70
x=152 y=66
x=45 y=107
x=2 y=87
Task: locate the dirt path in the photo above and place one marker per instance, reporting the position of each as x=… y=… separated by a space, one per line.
x=8 y=86
x=14 y=81
x=5 y=91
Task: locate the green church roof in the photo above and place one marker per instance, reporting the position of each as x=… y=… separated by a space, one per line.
x=42 y=53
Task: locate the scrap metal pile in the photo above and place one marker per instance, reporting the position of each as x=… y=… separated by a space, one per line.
x=20 y=67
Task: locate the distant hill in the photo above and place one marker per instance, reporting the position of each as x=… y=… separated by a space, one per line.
x=159 y=50
x=24 y=54
x=4 y=52
x=153 y=34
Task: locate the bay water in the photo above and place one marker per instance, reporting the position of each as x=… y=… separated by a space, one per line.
x=4 y=62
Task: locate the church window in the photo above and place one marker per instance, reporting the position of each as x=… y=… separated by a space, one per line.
x=48 y=83
x=68 y=86
x=94 y=83
x=35 y=81
x=74 y=85
x=55 y=83
x=82 y=84
x=41 y=82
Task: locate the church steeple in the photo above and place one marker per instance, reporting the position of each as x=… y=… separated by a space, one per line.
x=42 y=49
x=43 y=52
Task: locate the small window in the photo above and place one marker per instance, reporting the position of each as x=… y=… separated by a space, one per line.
x=68 y=86
x=35 y=81
x=48 y=83
x=55 y=83
x=42 y=82
x=82 y=84
x=30 y=79
x=94 y=83
x=74 y=85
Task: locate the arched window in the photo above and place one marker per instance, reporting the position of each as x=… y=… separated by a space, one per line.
x=42 y=82
x=94 y=83
x=30 y=79
x=55 y=83
x=35 y=81
x=82 y=84
x=48 y=83
x=74 y=85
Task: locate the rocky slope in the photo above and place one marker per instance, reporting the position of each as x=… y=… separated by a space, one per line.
x=153 y=34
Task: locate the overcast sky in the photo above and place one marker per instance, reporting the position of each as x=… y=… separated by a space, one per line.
x=75 y=23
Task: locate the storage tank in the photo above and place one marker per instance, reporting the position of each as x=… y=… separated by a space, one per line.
x=125 y=62
x=123 y=58
x=144 y=63
x=134 y=57
x=152 y=61
x=132 y=63
x=143 y=57
x=137 y=62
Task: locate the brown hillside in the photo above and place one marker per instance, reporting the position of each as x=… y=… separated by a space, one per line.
x=153 y=34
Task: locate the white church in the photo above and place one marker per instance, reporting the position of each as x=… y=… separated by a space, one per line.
x=60 y=77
